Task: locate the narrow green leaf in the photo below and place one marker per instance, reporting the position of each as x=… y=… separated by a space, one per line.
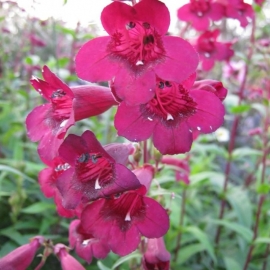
x=126 y=258
x=38 y=207
x=245 y=151
x=101 y=266
x=231 y=264
x=262 y=240
x=15 y=171
x=241 y=205
x=203 y=238
x=240 y=108
x=188 y=251
x=245 y=232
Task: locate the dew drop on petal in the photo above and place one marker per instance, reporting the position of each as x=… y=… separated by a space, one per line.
x=199 y=128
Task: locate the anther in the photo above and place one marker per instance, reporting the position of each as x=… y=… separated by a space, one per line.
x=130 y=25
x=83 y=158
x=58 y=93
x=168 y=84
x=161 y=85
x=146 y=25
x=139 y=63
x=128 y=218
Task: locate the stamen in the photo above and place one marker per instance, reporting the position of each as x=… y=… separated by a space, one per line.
x=63 y=123
x=169 y=116
x=85 y=242
x=97 y=185
x=83 y=158
x=161 y=85
x=139 y=63
x=128 y=218
x=146 y=25
x=130 y=25
x=150 y=119
x=58 y=93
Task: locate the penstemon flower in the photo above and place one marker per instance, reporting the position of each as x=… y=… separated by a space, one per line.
x=136 y=51
x=171 y=116
x=200 y=12
x=86 y=246
x=93 y=173
x=121 y=219
x=48 y=123
x=211 y=50
x=156 y=255
x=21 y=257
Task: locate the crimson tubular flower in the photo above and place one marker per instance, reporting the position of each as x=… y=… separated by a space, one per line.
x=21 y=257
x=93 y=173
x=66 y=260
x=86 y=246
x=156 y=255
x=171 y=116
x=123 y=218
x=239 y=10
x=48 y=123
x=210 y=50
x=136 y=51
x=200 y=12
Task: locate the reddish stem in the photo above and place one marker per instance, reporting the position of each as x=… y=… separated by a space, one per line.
x=233 y=134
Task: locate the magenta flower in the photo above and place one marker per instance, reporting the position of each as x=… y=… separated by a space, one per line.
x=49 y=122
x=67 y=261
x=86 y=246
x=156 y=255
x=171 y=117
x=239 y=10
x=200 y=12
x=36 y=41
x=210 y=50
x=47 y=180
x=213 y=86
x=93 y=173
x=21 y=257
x=136 y=51
x=123 y=218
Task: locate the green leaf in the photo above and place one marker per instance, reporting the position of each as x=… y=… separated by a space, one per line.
x=245 y=232
x=231 y=264
x=101 y=266
x=203 y=238
x=15 y=171
x=126 y=258
x=262 y=240
x=188 y=251
x=38 y=208
x=245 y=151
x=240 y=108
x=241 y=205
x=263 y=188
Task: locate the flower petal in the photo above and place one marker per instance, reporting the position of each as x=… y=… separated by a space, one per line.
x=181 y=60
x=155 y=13
x=172 y=139
x=210 y=112
x=132 y=124
x=137 y=89
x=156 y=222
x=93 y=63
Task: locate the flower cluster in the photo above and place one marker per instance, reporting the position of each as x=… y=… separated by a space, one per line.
x=152 y=78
